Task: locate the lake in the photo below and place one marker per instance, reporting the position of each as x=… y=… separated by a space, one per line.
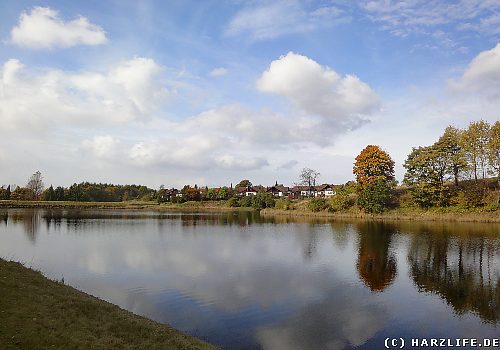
x=242 y=281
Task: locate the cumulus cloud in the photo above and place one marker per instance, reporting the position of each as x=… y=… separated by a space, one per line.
x=129 y=91
x=267 y=20
x=222 y=140
x=233 y=138
x=42 y=28
x=218 y=72
x=319 y=90
x=482 y=75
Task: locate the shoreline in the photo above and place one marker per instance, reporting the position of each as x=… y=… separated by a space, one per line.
x=37 y=312
x=187 y=206
x=407 y=214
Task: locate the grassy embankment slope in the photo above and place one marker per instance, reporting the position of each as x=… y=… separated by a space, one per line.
x=412 y=213
x=37 y=313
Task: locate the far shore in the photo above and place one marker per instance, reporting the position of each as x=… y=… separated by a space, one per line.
x=408 y=214
x=187 y=206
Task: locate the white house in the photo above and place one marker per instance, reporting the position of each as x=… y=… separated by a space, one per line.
x=324 y=190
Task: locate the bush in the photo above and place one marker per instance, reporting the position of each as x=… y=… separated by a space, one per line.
x=283 y=204
x=471 y=194
x=147 y=197
x=404 y=199
x=21 y=193
x=492 y=207
x=492 y=197
x=246 y=201
x=375 y=197
x=263 y=200
x=318 y=204
x=260 y=201
x=342 y=200
x=175 y=199
x=233 y=202
x=431 y=195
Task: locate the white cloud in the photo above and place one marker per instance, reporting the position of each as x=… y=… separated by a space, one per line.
x=223 y=144
x=271 y=19
x=482 y=76
x=195 y=151
x=241 y=163
x=319 y=91
x=129 y=91
x=234 y=137
x=218 y=72
x=260 y=129
x=102 y=146
x=42 y=28
x=231 y=137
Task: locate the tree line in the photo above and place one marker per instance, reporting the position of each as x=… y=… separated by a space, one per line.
x=81 y=192
x=433 y=173
x=452 y=171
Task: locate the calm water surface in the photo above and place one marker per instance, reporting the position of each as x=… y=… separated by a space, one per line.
x=241 y=281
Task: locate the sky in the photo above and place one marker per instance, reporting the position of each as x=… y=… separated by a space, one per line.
x=213 y=92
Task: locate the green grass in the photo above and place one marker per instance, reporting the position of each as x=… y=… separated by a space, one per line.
x=37 y=313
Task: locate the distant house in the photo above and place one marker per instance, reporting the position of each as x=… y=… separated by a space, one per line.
x=203 y=191
x=279 y=190
x=166 y=195
x=303 y=191
x=324 y=190
x=247 y=191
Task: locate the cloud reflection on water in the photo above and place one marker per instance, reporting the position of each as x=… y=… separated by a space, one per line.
x=236 y=278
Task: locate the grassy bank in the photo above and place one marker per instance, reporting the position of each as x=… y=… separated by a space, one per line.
x=37 y=313
x=433 y=214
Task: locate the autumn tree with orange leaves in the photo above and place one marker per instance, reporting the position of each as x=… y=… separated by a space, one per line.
x=374 y=171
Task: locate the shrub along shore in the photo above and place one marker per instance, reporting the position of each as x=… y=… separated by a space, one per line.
x=37 y=313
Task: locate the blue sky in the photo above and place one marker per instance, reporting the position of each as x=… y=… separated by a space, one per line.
x=175 y=92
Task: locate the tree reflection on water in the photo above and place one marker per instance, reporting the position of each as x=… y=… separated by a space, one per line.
x=461 y=270
x=30 y=219
x=376 y=263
